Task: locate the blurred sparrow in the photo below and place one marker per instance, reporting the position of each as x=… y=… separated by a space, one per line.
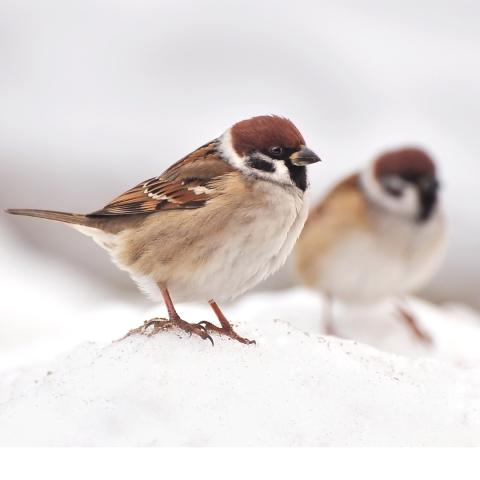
x=377 y=233
x=213 y=225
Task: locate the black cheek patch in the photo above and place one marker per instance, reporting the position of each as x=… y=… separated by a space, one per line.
x=394 y=192
x=261 y=164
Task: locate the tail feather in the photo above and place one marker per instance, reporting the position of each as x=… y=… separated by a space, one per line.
x=72 y=218
x=106 y=223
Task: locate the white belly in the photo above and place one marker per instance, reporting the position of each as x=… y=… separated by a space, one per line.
x=244 y=255
x=400 y=259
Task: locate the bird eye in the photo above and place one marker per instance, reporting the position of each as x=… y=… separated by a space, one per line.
x=276 y=151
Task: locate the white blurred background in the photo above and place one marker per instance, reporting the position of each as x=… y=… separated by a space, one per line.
x=98 y=95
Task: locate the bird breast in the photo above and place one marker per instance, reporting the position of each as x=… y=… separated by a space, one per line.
x=393 y=257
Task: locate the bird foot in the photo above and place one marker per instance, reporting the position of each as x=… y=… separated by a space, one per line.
x=159 y=324
x=190 y=328
x=229 y=332
x=146 y=324
x=163 y=324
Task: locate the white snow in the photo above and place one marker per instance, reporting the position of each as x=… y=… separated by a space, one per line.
x=290 y=389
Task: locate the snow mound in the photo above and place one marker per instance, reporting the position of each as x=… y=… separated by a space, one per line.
x=290 y=389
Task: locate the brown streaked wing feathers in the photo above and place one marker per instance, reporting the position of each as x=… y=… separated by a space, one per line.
x=342 y=211
x=174 y=189
x=348 y=186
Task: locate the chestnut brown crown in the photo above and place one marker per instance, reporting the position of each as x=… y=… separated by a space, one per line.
x=257 y=134
x=408 y=163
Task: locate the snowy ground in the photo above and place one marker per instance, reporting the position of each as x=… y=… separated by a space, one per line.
x=290 y=389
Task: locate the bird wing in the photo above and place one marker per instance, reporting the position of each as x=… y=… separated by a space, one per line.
x=187 y=184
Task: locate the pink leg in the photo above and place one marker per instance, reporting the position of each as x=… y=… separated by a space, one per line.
x=226 y=328
x=173 y=320
x=328 y=315
x=413 y=324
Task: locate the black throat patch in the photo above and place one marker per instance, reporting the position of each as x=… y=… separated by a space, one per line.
x=298 y=175
x=428 y=201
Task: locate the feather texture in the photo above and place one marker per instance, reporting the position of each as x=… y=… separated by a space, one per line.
x=187 y=184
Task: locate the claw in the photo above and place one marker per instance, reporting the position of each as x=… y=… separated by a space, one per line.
x=210 y=338
x=205 y=331
x=161 y=324
x=229 y=332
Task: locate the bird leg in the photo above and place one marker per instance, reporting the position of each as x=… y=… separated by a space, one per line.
x=413 y=324
x=160 y=324
x=174 y=319
x=327 y=315
x=226 y=328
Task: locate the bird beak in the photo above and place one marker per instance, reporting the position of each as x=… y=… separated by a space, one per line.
x=304 y=157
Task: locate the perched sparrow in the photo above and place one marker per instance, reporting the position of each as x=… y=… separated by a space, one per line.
x=214 y=224
x=377 y=233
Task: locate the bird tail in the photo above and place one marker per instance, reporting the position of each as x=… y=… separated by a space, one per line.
x=71 y=218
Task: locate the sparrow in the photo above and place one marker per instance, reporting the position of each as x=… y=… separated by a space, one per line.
x=379 y=232
x=213 y=225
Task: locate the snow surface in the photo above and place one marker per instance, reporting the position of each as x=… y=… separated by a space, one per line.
x=290 y=389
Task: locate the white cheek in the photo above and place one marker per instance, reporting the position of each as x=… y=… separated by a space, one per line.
x=227 y=151
x=408 y=204
x=280 y=175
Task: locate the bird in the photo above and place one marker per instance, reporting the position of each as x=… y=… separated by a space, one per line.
x=380 y=232
x=213 y=225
